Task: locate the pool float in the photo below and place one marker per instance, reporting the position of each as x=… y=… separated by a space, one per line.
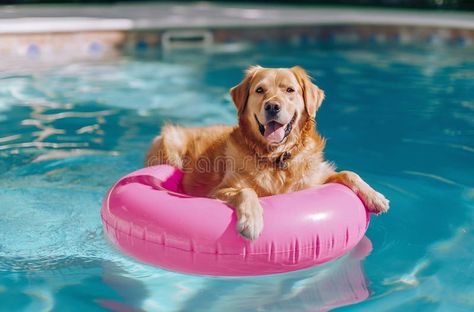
x=147 y=216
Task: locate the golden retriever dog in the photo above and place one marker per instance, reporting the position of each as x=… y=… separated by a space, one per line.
x=274 y=148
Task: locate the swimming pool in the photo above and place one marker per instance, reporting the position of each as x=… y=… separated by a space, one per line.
x=400 y=116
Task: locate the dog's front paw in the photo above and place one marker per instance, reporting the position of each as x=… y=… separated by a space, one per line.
x=376 y=202
x=250 y=222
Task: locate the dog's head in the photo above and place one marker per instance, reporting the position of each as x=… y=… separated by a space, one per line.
x=276 y=104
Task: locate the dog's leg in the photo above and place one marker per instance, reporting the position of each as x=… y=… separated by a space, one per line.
x=373 y=200
x=247 y=207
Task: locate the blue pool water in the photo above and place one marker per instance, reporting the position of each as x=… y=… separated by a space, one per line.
x=402 y=117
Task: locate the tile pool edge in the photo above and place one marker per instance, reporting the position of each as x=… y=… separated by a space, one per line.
x=28 y=20
x=92 y=32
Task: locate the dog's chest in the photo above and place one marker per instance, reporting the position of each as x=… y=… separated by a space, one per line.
x=297 y=176
x=277 y=181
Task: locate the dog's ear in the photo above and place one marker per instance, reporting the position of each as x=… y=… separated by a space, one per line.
x=240 y=92
x=313 y=96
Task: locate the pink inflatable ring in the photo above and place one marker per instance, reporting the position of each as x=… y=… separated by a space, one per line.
x=147 y=217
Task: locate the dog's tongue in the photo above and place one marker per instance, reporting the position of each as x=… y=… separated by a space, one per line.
x=274 y=132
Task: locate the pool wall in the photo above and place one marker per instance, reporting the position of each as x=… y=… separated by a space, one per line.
x=43 y=32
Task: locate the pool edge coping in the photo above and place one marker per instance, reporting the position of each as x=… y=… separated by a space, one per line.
x=214 y=17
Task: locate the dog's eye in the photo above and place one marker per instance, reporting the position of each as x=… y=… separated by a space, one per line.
x=290 y=90
x=259 y=90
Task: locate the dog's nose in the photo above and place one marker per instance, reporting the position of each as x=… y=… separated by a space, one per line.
x=272 y=108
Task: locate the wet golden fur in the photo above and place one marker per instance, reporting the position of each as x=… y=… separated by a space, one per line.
x=236 y=163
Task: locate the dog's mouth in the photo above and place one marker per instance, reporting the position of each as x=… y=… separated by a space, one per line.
x=275 y=132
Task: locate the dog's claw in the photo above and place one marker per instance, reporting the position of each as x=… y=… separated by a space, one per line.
x=377 y=203
x=250 y=226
